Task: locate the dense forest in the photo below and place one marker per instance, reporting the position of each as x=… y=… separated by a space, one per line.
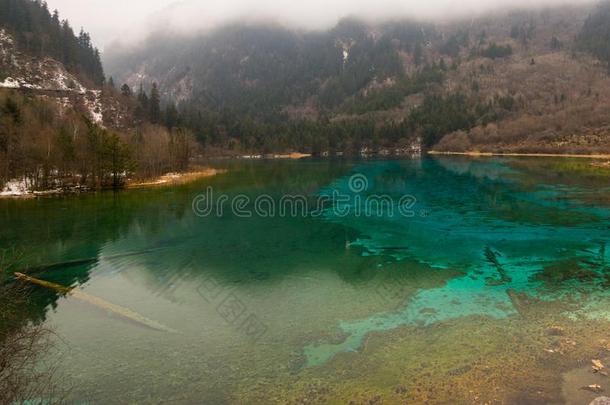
x=246 y=76
x=41 y=33
x=52 y=150
x=256 y=71
x=595 y=35
x=243 y=108
x=362 y=86
x=510 y=81
x=86 y=135
x=436 y=116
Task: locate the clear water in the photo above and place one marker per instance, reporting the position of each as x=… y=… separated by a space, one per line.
x=451 y=305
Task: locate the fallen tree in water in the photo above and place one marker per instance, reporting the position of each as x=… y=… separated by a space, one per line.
x=122 y=312
x=88 y=260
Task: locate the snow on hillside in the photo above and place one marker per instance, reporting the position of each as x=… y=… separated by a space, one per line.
x=44 y=75
x=94 y=106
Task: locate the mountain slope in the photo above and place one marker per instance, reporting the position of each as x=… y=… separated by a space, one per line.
x=60 y=130
x=46 y=77
x=41 y=34
x=517 y=80
x=238 y=66
x=555 y=94
x=41 y=55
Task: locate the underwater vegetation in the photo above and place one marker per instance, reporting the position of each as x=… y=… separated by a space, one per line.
x=493 y=290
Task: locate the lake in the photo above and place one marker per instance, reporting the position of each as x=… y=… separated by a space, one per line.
x=439 y=280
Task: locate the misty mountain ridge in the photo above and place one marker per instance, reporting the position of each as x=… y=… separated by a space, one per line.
x=519 y=80
x=516 y=80
x=293 y=64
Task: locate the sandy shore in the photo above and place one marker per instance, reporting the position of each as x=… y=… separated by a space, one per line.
x=175 y=178
x=483 y=154
x=294 y=155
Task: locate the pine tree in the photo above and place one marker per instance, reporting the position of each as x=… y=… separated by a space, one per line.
x=443 y=65
x=171 y=116
x=154 y=112
x=142 y=108
x=39 y=32
x=418 y=54
x=55 y=17
x=126 y=90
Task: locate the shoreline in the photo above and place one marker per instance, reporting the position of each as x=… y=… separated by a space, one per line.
x=172 y=179
x=169 y=179
x=285 y=156
x=516 y=154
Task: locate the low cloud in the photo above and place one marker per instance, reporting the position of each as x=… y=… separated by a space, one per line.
x=126 y=21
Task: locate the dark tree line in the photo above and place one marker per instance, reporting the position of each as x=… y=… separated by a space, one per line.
x=47 y=149
x=42 y=33
x=256 y=71
x=436 y=116
x=595 y=34
x=494 y=51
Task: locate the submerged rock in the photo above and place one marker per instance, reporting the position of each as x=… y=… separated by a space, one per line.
x=598 y=367
x=554 y=331
x=592 y=388
x=601 y=401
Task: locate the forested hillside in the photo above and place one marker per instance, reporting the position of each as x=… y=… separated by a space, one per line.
x=41 y=33
x=61 y=127
x=595 y=35
x=527 y=80
x=533 y=80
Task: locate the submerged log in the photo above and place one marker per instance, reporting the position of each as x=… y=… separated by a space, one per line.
x=492 y=258
x=123 y=312
x=520 y=301
x=91 y=260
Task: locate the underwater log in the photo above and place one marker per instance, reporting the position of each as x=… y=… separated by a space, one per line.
x=90 y=260
x=123 y=312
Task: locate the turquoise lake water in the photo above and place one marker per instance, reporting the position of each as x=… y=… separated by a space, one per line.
x=445 y=303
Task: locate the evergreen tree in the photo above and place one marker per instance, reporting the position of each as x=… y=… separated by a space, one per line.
x=38 y=32
x=142 y=107
x=171 y=115
x=418 y=54
x=595 y=33
x=126 y=90
x=154 y=105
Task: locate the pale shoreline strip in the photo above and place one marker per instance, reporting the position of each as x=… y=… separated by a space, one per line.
x=516 y=154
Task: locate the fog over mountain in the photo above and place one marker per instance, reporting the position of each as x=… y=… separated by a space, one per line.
x=126 y=21
x=342 y=77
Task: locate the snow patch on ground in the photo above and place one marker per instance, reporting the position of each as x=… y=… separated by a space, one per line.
x=5 y=37
x=15 y=187
x=31 y=86
x=65 y=82
x=10 y=83
x=345 y=47
x=6 y=47
x=94 y=106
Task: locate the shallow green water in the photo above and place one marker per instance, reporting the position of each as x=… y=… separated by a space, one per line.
x=265 y=308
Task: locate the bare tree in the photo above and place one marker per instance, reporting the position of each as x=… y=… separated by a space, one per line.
x=24 y=375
